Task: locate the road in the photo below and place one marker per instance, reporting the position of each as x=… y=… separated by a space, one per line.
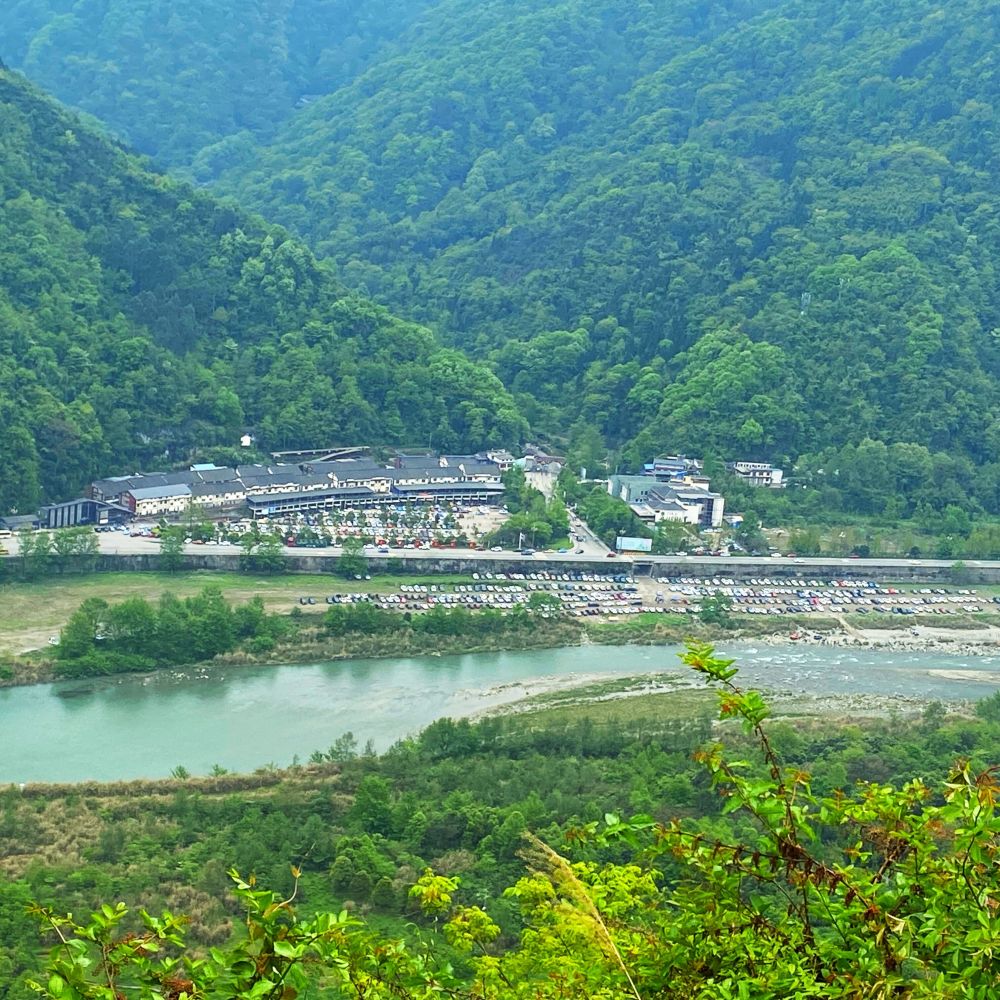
x=119 y=543
x=857 y=565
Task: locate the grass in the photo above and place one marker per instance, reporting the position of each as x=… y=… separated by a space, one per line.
x=627 y=702
x=559 y=543
x=639 y=704
x=34 y=611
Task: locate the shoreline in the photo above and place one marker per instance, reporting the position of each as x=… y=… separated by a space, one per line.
x=549 y=697
x=981 y=641
x=957 y=641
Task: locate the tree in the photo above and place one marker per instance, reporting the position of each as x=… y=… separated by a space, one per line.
x=717 y=610
x=34 y=550
x=672 y=536
x=75 y=548
x=263 y=552
x=352 y=562
x=372 y=808
x=79 y=635
x=955 y=521
x=131 y=627
x=172 y=548
x=542 y=603
x=749 y=534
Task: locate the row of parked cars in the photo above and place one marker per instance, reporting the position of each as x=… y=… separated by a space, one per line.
x=767 y=596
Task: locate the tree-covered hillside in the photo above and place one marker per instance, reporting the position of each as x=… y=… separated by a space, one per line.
x=758 y=228
x=755 y=227
x=140 y=318
x=174 y=78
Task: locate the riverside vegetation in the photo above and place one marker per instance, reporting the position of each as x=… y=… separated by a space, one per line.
x=102 y=638
x=795 y=860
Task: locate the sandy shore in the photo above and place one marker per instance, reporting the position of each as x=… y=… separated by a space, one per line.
x=582 y=690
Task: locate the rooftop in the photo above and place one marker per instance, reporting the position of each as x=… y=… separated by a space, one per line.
x=160 y=492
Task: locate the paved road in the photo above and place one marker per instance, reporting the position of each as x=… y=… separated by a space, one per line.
x=855 y=564
x=121 y=543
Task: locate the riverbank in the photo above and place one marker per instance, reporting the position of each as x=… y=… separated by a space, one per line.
x=648 y=699
x=312 y=645
x=965 y=637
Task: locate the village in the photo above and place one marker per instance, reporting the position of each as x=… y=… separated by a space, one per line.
x=320 y=489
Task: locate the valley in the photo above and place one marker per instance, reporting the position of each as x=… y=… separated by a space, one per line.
x=499 y=500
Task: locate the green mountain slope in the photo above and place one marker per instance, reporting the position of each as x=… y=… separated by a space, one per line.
x=174 y=77
x=771 y=231
x=761 y=227
x=140 y=318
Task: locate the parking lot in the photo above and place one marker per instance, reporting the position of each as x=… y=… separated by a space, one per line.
x=766 y=596
x=579 y=595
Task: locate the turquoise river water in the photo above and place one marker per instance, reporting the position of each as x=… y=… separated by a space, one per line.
x=244 y=718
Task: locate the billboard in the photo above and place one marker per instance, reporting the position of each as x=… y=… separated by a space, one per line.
x=626 y=544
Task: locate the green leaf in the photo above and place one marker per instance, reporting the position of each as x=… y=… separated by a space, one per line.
x=287 y=950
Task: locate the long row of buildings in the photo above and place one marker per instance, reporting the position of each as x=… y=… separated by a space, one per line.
x=281 y=489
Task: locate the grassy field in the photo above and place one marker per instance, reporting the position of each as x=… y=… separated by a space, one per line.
x=628 y=702
x=34 y=611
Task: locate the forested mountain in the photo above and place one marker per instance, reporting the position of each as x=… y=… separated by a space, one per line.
x=763 y=227
x=756 y=227
x=140 y=318
x=174 y=78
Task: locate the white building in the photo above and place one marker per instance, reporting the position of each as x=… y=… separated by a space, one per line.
x=757 y=473
x=687 y=504
x=152 y=501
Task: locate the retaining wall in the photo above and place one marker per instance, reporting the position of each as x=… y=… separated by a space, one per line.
x=739 y=569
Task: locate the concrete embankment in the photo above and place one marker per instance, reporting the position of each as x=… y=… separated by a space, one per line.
x=325 y=561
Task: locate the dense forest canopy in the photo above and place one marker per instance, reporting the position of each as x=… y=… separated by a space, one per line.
x=141 y=318
x=759 y=228
x=767 y=229
x=177 y=79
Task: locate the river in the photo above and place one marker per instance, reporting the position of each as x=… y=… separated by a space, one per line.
x=247 y=717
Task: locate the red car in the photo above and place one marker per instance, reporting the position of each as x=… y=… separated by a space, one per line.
x=611 y=555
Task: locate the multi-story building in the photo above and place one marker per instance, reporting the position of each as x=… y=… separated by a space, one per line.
x=757 y=473
x=154 y=501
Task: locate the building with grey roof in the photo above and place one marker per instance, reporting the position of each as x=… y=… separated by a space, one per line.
x=153 y=501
